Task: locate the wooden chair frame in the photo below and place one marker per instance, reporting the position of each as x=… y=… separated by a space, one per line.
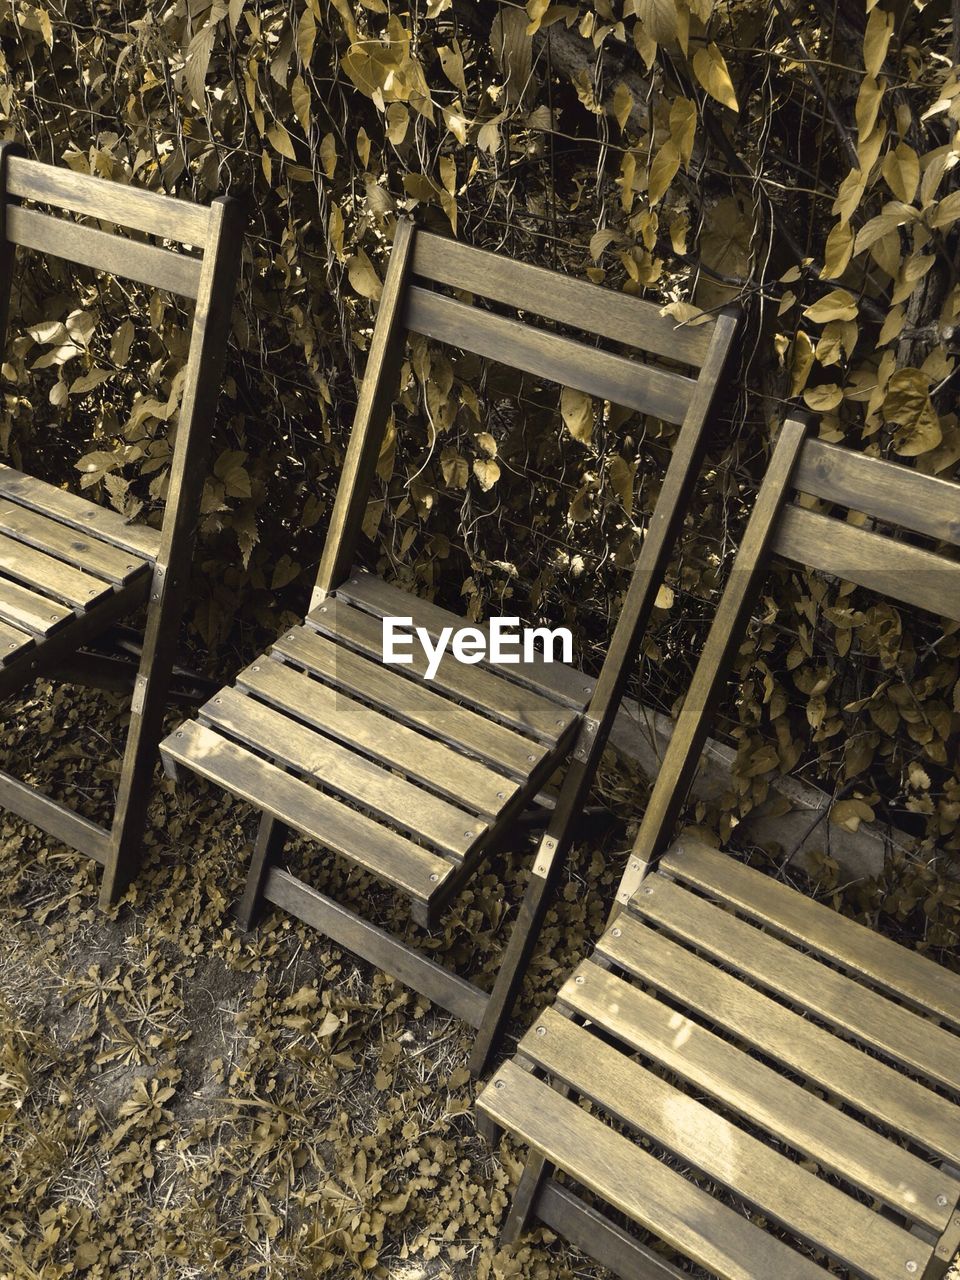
x=930 y=1207
x=210 y=281
x=411 y=301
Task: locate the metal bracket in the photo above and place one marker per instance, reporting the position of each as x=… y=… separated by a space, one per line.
x=632 y=878
x=544 y=860
x=585 y=739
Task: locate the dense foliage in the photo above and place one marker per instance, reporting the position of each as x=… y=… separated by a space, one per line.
x=799 y=157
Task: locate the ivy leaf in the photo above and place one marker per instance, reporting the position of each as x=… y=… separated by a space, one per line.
x=576 y=409
x=300 y=97
x=281 y=141
x=901 y=172
x=839 y=304
x=710 y=68
x=850 y=813
x=487 y=472
x=363 y=277
x=663 y=171
x=622 y=105
x=907 y=404
x=876 y=40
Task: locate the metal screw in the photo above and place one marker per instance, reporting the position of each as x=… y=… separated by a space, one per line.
x=531 y=757
x=579 y=980
x=468 y=833
x=615 y=933
x=323 y=608
x=584 y=688
x=559 y=722
x=434 y=876
x=498 y=1084
x=254 y=668
x=501 y=795
x=911 y=1266
x=942 y=1201
x=179 y=733
x=647 y=889
x=53 y=617
x=541 y=1031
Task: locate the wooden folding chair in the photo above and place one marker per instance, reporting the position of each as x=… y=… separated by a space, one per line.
x=70 y=569
x=418 y=782
x=773 y=1088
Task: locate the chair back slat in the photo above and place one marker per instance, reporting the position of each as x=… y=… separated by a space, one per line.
x=777 y=526
x=882 y=564
x=884 y=490
x=549 y=355
x=545 y=293
x=102 y=251
x=146 y=211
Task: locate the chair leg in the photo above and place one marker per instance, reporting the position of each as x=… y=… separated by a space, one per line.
x=548 y=864
x=271 y=837
x=521 y=1212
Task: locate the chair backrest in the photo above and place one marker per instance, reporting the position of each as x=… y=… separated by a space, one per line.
x=676 y=381
x=207 y=277
x=782 y=524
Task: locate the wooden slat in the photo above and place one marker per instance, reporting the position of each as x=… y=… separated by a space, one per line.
x=56 y=578
x=12 y=641
x=890 y=965
x=638 y=1184
x=886 y=490
x=31 y=612
x=361 y=840
x=104 y=252
x=574 y=302
x=70 y=828
x=646 y=388
x=892 y=568
x=79 y=513
x=339 y=769
x=810 y=1208
x=509 y=703
x=871 y=1086
x=554 y=680
x=585 y=1227
x=449 y=990
x=463 y=780
x=411 y=703
x=790 y=1113
x=802 y=980
x=84 y=552
x=158 y=215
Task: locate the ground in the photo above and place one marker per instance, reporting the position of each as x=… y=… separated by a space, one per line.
x=179 y=1099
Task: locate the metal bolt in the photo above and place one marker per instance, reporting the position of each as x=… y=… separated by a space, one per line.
x=434 y=876
x=942 y=1201
x=541 y=1031
x=498 y=1084
x=501 y=795
x=468 y=834
x=584 y=688
x=254 y=668
x=179 y=733
x=615 y=933
x=911 y=1266
x=323 y=608
x=647 y=888
x=579 y=980
x=559 y=722
x=53 y=617
x=531 y=758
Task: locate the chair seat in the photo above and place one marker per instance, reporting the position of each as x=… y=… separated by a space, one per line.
x=68 y=569
x=745 y=1048
x=411 y=779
